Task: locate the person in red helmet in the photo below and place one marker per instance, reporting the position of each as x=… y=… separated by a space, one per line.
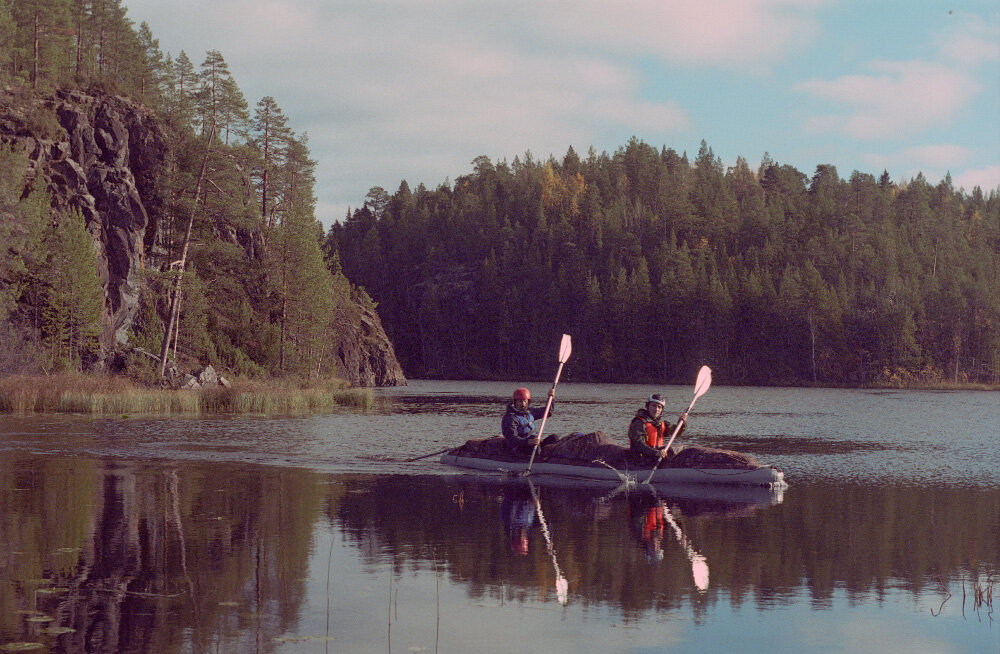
x=518 y=422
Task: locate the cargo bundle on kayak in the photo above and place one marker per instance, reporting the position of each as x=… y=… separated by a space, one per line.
x=597 y=456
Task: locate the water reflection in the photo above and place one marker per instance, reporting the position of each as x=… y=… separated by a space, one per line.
x=100 y=556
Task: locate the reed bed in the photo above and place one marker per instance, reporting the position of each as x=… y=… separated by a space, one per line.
x=72 y=393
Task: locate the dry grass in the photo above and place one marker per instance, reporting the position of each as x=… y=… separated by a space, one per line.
x=97 y=395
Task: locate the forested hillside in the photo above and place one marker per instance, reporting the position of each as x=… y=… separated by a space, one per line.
x=657 y=264
x=198 y=207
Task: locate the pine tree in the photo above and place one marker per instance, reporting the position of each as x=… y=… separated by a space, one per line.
x=306 y=292
x=270 y=135
x=211 y=90
x=153 y=75
x=43 y=28
x=73 y=296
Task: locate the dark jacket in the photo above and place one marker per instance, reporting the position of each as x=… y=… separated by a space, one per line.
x=517 y=426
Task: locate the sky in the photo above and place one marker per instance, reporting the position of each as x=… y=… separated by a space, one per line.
x=392 y=90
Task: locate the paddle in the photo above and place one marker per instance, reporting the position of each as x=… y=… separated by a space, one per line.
x=424 y=456
x=565 y=347
x=562 y=586
x=700 y=387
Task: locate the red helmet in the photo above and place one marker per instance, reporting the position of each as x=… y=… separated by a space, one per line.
x=522 y=394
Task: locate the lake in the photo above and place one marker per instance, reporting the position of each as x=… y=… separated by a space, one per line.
x=313 y=534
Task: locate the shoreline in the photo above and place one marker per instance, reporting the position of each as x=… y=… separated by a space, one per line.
x=100 y=395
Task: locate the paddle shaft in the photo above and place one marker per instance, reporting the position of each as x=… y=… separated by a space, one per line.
x=548 y=406
x=417 y=458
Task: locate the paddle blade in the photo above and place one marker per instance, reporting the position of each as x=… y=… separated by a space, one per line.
x=562 y=590
x=699 y=569
x=703 y=382
x=565 y=348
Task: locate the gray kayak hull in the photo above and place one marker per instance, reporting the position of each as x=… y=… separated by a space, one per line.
x=763 y=476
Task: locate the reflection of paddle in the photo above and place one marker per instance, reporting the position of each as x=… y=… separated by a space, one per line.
x=700 y=387
x=565 y=347
x=699 y=564
x=562 y=586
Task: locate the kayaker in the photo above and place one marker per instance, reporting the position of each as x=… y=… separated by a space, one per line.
x=648 y=432
x=518 y=422
x=518 y=512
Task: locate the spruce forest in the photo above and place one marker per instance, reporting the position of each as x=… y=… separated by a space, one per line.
x=656 y=264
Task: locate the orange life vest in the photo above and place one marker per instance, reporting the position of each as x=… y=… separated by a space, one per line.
x=653 y=525
x=654 y=433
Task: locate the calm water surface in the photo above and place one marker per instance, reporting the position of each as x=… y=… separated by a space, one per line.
x=312 y=534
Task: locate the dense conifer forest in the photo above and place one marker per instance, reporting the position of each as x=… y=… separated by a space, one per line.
x=657 y=264
x=236 y=207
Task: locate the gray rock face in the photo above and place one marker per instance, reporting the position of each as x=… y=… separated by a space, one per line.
x=366 y=357
x=105 y=166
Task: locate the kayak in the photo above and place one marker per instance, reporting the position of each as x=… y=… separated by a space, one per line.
x=595 y=456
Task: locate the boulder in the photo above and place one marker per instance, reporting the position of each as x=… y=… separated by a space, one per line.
x=207 y=376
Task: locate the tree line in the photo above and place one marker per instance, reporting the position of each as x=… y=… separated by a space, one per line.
x=236 y=274
x=657 y=264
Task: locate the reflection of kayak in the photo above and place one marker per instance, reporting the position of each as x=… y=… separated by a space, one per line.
x=594 y=456
x=713 y=499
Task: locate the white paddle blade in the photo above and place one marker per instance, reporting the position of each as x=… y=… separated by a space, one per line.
x=703 y=382
x=565 y=348
x=699 y=569
x=562 y=590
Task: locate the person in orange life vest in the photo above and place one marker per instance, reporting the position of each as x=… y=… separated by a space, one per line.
x=648 y=432
x=647 y=524
x=518 y=422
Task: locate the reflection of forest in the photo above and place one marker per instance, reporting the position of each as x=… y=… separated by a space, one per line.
x=151 y=558
x=820 y=538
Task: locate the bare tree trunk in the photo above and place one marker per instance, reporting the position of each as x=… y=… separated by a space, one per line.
x=812 y=335
x=34 y=65
x=175 y=304
x=177 y=321
x=957 y=342
x=79 y=40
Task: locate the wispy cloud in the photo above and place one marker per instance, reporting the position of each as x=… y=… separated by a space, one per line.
x=972 y=41
x=898 y=97
x=894 y=98
x=729 y=33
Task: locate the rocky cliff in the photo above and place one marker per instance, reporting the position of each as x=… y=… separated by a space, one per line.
x=103 y=159
x=104 y=155
x=365 y=353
